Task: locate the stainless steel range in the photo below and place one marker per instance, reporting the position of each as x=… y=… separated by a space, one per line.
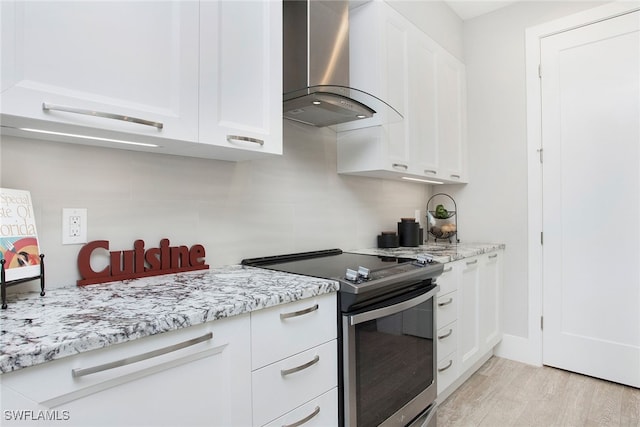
x=386 y=328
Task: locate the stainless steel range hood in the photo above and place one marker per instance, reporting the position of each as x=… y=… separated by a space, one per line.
x=316 y=69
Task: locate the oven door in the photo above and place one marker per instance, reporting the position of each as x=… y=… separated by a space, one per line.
x=389 y=356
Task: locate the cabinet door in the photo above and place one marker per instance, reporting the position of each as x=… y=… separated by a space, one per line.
x=422 y=119
x=241 y=75
x=378 y=52
x=281 y=331
x=284 y=385
x=447 y=308
x=451 y=118
x=207 y=382
x=128 y=59
x=490 y=296
x=395 y=46
x=469 y=320
x=319 y=412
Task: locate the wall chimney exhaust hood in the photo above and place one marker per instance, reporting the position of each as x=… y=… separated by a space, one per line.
x=316 y=69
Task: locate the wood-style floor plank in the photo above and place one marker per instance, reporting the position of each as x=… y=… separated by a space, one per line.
x=504 y=393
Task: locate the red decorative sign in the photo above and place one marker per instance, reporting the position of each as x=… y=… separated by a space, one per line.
x=138 y=262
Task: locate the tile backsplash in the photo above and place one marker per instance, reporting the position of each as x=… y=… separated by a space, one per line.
x=295 y=202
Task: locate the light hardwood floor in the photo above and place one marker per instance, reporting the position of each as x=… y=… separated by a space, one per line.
x=504 y=393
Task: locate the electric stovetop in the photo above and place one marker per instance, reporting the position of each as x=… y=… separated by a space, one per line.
x=356 y=273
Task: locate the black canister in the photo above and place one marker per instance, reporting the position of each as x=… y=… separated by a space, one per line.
x=409 y=232
x=388 y=239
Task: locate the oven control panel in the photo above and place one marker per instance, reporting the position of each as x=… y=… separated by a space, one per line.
x=363 y=274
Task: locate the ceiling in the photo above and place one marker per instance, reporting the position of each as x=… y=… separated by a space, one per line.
x=467 y=9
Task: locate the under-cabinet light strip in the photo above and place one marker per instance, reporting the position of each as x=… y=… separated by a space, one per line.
x=94 y=138
x=428 y=181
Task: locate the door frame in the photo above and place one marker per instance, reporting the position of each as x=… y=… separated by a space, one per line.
x=531 y=349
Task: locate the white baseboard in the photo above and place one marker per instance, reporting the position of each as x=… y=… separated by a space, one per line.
x=519 y=349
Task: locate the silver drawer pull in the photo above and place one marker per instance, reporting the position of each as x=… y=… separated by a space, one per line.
x=305 y=419
x=446 y=270
x=81 y=372
x=400 y=166
x=446 y=367
x=493 y=256
x=236 y=138
x=285 y=372
x=431 y=171
x=46 y=107
x=298 y=313
x=448 y=334
x=475 y=261
x=455 y=176
x=447 y=302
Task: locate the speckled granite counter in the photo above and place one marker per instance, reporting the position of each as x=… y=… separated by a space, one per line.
x=71 y=320
x=442 y=252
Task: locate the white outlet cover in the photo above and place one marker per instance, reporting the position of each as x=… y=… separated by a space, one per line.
x=74 y=226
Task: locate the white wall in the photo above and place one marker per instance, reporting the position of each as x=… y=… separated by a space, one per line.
x=493 y=206
x=296 y=202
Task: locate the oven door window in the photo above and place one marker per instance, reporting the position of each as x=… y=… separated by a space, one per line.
x=393 y=362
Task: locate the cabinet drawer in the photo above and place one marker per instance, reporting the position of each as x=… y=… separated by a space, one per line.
x=287 y=329
x=447 y=309
x=282 y=386
x=447 y=371
x=447 y=340
x=58 y=382
x=319 y=412
x=448 y=280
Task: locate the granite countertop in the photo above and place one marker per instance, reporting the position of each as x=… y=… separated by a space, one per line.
x=67 y=321
x=441 y=252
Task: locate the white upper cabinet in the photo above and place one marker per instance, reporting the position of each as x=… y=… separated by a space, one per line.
x=169 y=73
x=451 y=114
x=125 y=59
x=241 y=75
x=425 y=83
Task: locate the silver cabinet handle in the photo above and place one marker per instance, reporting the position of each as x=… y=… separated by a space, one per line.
x=455 y=176
x=431 y=171
x=400 y=165
x=305 y=419
x=493 y=256
x=447 y=302
x=285 y=372
x=298 y=313
x=446 y=270
x=475 y=261
x=446 y=367
x=46 y=107
x=81 y=372
x=235 y=138
x=448 y=334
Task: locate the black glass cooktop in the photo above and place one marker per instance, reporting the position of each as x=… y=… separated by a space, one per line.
x=328 y=264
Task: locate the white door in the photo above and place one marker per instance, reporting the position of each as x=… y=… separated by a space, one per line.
x=591 y=194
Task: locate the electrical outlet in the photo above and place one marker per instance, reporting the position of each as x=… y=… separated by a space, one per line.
x=74 y=226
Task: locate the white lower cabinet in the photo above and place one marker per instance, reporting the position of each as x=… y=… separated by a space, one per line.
x=294 y=353
x=490 y=299
x=469 y=344
x=196 y=376
x=276 y=366
x=319 y=412
x=287 y=384
x=447 y=334
x=469 y=321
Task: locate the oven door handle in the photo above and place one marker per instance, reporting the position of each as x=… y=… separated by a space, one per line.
x=392 y=309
